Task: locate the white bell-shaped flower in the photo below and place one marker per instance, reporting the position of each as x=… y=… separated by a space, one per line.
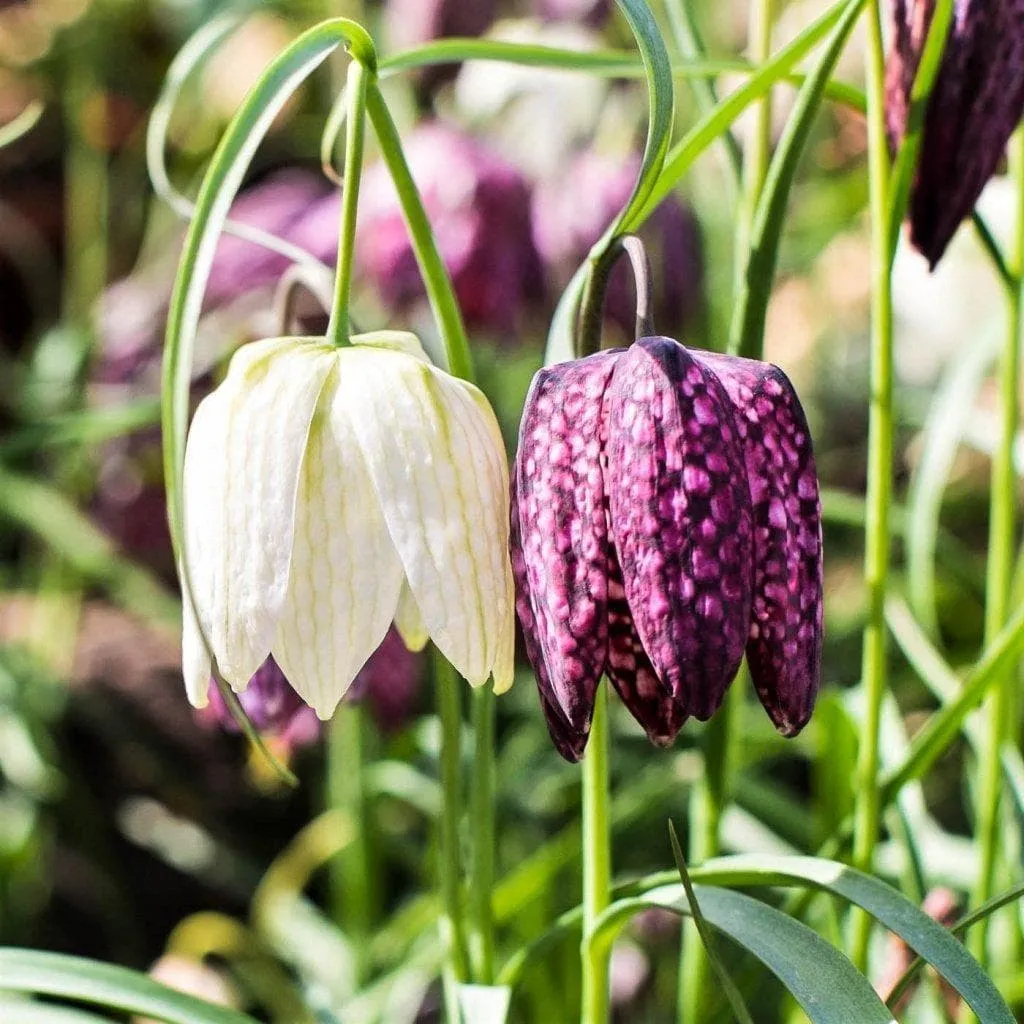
x=330 y=491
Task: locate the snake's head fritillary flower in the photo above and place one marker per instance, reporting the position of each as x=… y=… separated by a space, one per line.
x=330 y=491
x=665 y=519
x=976 y=103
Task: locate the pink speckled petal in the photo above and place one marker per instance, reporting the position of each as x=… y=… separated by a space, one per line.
x=649 y=701
x=568 y=741
x=680 y=519
x=784 y=647
x=562 y=533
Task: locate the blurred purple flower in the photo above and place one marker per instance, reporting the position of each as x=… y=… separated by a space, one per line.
x=414 y=22
x=665 y=516
x=976 y=103
x=571 y=213
x=586 y=12
x=390 y=683
x=293 y=204
x=479 y=207
x=273 y=706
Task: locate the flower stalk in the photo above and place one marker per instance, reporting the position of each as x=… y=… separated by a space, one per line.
x=1001 y=561
x=482 y=798
x=597 y=858
x=874 y=670
x=360 y=78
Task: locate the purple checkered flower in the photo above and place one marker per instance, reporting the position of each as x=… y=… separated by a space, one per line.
x=976 y=103
x=665 y=519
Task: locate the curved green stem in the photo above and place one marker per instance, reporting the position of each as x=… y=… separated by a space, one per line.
x=456 y=357
x=359 y=81
x=880 y=443
x=597 y=857
x=482 y=798
x=1001 y=554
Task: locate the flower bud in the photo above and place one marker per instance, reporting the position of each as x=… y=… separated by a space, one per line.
x=975 y=105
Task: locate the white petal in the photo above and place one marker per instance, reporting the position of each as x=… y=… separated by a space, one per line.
x=409 y=621
x=434 y=453
x=345 y=573
x=204 y=458
x=394 y=341
x=243 y=488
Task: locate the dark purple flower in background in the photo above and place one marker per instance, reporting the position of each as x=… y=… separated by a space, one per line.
x=273 y=706
x=665 y=518
x=976 y=103
x=570 y=213
x=479 y=206
x=414 y=22
x=586 y=12
x=390 y=683
x=295 y=205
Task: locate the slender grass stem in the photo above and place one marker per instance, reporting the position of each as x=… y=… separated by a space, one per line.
x=456 y=356
x=482 y=798
x=449 y=710
x=597 y=856
x=352 y=881
x=359 y=81
x=757 y=151
x=874 y=671
x=1001 y=558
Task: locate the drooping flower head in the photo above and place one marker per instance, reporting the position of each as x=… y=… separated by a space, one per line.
x=665 y=518
x=330 y=491
x=976 y=103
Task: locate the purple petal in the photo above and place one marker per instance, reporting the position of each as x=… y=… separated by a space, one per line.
x=784 y=649
x=976 y=104
x=568 y=741
x=680 y=519
x=562 y=534
x=649 y=701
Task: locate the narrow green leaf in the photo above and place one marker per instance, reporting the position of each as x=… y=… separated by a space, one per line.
x=18 y=1010
x=756 y=286
x=89 y=426
x=88 y=981
x=661 y=96
x=50 y=516
x=732 y=993
x=825 y=984
x=196 y=49
x=929 y=744
x=960 y=928
x=950 y=411
x=681 y=157
x=683 y=23
x=886 y=904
